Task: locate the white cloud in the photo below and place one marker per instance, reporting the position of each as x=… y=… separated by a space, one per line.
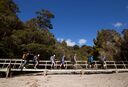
x=60 y=39
x=70 y=42
x=118 y=24
x=82 y=41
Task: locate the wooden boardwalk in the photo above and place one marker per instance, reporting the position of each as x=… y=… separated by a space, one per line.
x=13 y=65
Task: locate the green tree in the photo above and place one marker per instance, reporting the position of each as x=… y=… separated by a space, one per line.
x=8 y=18
x=124 y=46
x=9 y=22
x=33 y=35
x=33 y=38
x=84 y=51
x=107 y=43
x=44 y=19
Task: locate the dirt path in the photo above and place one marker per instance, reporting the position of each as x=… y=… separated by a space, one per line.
x=93 y=80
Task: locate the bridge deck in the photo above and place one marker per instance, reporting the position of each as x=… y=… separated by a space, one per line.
x=12 y=65
x=70 y=71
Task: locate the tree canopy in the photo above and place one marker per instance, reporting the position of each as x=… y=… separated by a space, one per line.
x=34 y=35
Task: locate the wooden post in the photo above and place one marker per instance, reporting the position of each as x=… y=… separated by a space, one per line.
x=14 y=64
x=115 y=67
x=45 y=72
x=76 y=65
x=124 y=64
x=82 y=72
x=96 y=65
x=4 y=64
x=46 y=65
x=66 y=65
x=86 y=64
x=106 y=65
x=20 y=67
x=8 y=71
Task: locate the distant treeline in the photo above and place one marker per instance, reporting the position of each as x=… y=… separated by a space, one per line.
x=34 y=35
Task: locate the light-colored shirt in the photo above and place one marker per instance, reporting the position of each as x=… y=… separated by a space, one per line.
x=52 y=58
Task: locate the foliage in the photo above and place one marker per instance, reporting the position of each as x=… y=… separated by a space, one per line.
x=85 y=51
x=108 y=44
x=124 y=46
x=34 y=35
x=17 y=36
x=44 y=19
x=8 y=18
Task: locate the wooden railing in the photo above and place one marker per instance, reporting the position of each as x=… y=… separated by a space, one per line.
x=7 y=65
x=45 y=64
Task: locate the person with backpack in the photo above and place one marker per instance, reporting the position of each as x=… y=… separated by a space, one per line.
x=62 y=65
x=102 y=61
x=52 y=59
x=90 y=62
x=26 y=58
x=73 y=60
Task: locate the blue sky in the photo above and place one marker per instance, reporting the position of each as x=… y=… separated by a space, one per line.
x=77 y=21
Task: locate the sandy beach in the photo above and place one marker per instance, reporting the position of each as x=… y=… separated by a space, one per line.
x=92 y=80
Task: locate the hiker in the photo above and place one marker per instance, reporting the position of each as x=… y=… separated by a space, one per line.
x=102 y=61
x=36 y=60
x=26 y=57
x=52 y=59
x=90 y=62
x=73 y=60
x=62 y=65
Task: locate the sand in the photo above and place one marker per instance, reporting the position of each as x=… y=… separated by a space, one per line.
x=92 y=80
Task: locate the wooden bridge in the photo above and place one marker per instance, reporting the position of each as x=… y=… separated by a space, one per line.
x=13 y=65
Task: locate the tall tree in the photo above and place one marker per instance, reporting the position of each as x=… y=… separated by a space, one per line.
x=107 y=43
x=35 y=38
x=9 y=20
x=44 y=19
x=124 y=46
x=84 y=52
x=8 y=23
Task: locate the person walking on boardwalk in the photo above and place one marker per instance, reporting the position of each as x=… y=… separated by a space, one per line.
x=102 y=60
x=26 y=57
x=52 y=59
x=90 y=62
x=62 y=65
x=73 y=61
x=36 y=60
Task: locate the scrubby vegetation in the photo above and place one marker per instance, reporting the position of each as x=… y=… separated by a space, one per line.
x=34 y=35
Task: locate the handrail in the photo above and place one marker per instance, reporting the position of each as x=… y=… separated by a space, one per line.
x=15 y=62
x=8 y=65
x=56 y=61
x=48 y=61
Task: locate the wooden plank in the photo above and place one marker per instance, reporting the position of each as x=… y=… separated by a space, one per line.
x=70 y=70
x=28 y=70
x=81 y=71
x=3 y=69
